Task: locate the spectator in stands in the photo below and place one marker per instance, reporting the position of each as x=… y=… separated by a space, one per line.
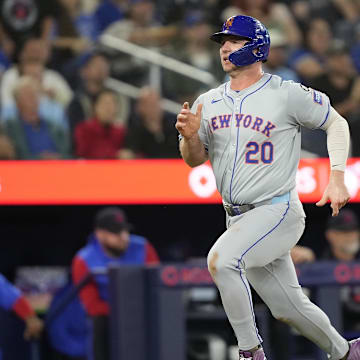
x=109 y=12
x=340 y=81
x=7 y=150
x=33 y=58
x=34 y=137
x=309 y=62
x=343 y=235
x=20 y=20
x=194 y=48
x=272 y=14
x=276 y=61
x=335 y=12
x=153 y=133
x=4 y=62
x=173 y=11
x=95 y=70
x=100 y=137
x=111 y=243
x=11 y=299
x=141 y=28
x=49 y=108
x=67 y=42
x=81 y=18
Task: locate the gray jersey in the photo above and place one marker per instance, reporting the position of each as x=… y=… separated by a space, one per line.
x=253 y=136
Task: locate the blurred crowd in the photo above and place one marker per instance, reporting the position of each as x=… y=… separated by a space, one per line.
x=54 y=69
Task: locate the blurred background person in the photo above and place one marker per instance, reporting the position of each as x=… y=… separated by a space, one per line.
x=95 y=69
x=343 y=237
x=341 y=80
x=108 y=12
x=67 y=42
x=100 y=137
x=273 y=14
x=49 y=107
x=20 y=20
x=309 y=61
x=11 y=299
x=140 y=27
x=35 y=137
x=66 y=326
x=192 y=47
x=7 y=149
x=110 y=243
x=152 y=133
x=276 y=61
x=93 y=73
x=33 y=58
x=302 y=254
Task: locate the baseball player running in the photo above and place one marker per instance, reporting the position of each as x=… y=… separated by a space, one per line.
x=249 y=128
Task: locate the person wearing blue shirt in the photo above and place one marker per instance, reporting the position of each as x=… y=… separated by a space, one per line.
x=11 y=299
x=110 y=243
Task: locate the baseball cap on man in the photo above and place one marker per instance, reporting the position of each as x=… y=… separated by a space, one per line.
x=345 y=221
x=112 y=219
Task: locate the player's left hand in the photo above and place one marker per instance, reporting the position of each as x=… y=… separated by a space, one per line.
x=33 y=327
x=336 y=192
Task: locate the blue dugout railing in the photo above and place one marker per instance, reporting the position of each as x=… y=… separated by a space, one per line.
x=148 y=312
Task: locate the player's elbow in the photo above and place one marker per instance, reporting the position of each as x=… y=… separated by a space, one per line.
x=194 y=159
x=194 y=162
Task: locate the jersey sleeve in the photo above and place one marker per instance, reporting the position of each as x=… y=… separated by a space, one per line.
x=9 y=294
x=89 y=294
x=22 y=308
x=204 y=131
x=307 y=107
x=151 y=256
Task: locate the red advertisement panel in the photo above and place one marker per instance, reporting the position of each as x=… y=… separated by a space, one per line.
x=139 y=182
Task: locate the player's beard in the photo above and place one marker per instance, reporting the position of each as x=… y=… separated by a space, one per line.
x=115 y=252
x=234 y=71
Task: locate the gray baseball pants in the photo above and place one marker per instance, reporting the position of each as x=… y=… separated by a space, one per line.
x=255 y=249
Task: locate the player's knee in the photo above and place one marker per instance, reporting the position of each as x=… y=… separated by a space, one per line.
x=212 y=263
x=219 y=266
x=279 y=313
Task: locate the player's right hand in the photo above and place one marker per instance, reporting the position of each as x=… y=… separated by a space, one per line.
x=188 y=123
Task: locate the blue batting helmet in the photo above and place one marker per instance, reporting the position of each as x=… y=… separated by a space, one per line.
x=247 y=27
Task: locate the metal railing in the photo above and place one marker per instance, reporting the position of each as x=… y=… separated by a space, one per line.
x=156 y=61
x=133 y=92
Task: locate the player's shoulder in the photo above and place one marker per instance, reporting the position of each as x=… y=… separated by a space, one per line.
x=295 y=86
x=86 y=252
x=211 y=94
x=298 y=91
x=278 y=83
x=90 y=250
x=137 y=239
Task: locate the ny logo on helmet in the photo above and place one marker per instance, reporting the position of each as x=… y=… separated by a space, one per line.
x=229 y=22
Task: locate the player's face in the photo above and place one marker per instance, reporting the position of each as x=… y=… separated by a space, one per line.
x=230 y=44
x=344 y=241
x=114 y=244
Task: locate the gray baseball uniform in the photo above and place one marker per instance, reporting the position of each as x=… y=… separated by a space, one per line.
x=253 y=141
